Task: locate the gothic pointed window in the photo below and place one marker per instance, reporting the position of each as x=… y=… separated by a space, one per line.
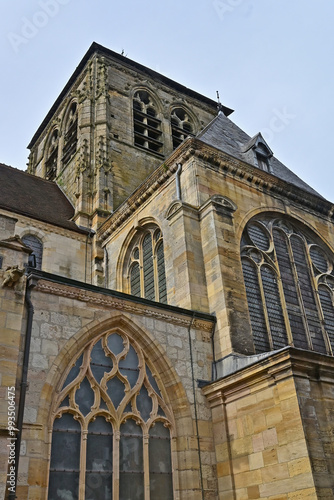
x=52 y=156
x=111 y=427
x=147 y=125
x=35 y=244
x=182 y=126
x=71 y=134
x=289 y=282
x=146 y=266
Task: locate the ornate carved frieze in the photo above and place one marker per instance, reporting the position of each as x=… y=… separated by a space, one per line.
x=121 y=304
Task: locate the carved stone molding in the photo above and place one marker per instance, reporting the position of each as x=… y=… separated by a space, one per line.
x=121 y=304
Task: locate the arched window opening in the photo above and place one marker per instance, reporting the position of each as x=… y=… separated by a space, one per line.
x=146 y=266
x=71 y=134
x=182 y=126
x=289 y=282
x=147 y=126
x=35 y=244
x=52 y=157
x=111 y=431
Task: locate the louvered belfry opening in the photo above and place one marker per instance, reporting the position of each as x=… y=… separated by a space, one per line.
x=182 y=126
x=146 y=273
x=147 y=125
x=112 y=427
x=289 y=282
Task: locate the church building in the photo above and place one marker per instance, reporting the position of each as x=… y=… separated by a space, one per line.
x=166 y=303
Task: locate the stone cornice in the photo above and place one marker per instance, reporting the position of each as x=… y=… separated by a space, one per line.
x=251 y=175
x=128 y=305
x=287 y=363
x=220 y=161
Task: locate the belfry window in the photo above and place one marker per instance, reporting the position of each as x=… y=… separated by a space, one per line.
x=52 y=157
x=110 y=425
x=146 y=274
x=182 y=126
x=35 y=244
x=147 y=126
x=71 y=134
x=289 y=281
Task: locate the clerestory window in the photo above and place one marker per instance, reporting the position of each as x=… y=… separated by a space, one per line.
x=52 y=156
x=182 y=126
x=71 y=134
x=146 y=268
x=112 y=427
x=289 y=281
x=147 y=126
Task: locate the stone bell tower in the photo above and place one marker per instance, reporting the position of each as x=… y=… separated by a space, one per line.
x=114 y=122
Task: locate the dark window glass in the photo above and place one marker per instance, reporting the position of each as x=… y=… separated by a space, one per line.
x=36 y=246
x=161 y=485
x=300 y=265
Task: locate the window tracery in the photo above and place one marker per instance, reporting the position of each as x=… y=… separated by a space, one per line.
x=289 y=281
x=111 y=424
x=147 y=125
x=146 y=268
x=182 y=126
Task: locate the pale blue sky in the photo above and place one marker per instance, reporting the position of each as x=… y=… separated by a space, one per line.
x=271 y=60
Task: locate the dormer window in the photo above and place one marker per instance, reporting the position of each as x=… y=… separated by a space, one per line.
x=147 y=126
x=262 y=154
x=182 y=126
x=71 y=134
x=52 y=157
x=258 y=152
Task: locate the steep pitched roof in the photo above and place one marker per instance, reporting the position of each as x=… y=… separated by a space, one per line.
x=28 y=195
x=226 y=136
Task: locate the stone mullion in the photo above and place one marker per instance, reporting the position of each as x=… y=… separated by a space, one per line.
x=299 y=295
x=155 y=268
x=146 y=467
x=82 y=473
x=116 y=440
x=141 y=267
x=282 y=297
x=315 y=291
x=264 y=305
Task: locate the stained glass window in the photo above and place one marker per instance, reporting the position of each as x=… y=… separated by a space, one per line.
x=109 y=401
x=289 y=281
x=146 y=275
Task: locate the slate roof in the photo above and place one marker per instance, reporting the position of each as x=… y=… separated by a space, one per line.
x=226 y=136
x=34 y=197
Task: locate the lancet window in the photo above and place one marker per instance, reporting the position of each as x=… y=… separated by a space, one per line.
x=146 y=268
x=289 y=281
x=182 y=126
x=147 y=125
x=112 y=427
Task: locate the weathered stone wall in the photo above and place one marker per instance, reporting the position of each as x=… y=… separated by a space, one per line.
x=202 y=234
x=272 y=437
x=66 y=319
x=107 y=166
x=65 y=253
x=12 y=324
